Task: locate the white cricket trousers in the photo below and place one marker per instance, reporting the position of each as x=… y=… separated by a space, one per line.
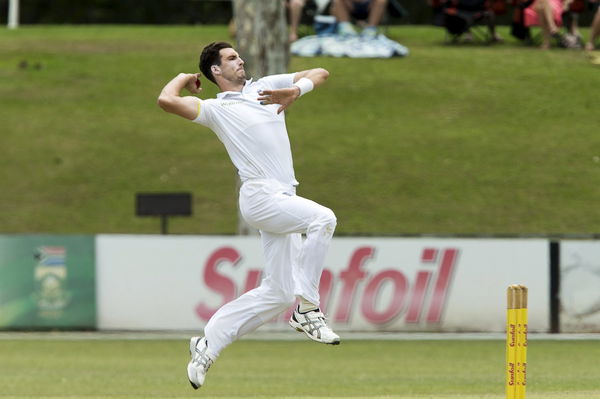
x=293 y=266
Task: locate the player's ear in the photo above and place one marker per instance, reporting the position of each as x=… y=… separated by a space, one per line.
x=215 y=69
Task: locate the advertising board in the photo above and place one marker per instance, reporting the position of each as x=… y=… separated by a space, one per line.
x=368 y=284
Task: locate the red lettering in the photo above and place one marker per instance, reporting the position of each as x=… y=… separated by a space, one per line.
x=418 y=297
x=513 y=335
x=371 y=295
x=325 y=286
x=350 y=279
x=429 y=255
x=440 y=290
x=511 y=373
x=218 y=282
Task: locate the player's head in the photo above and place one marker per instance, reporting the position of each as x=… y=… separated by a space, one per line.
x=220 y=60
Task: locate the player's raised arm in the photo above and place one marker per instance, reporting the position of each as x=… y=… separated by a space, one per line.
x=170 y=98
x=318 y=76
x=304 y=82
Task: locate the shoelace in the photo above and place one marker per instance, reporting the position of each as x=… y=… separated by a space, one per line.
x=203 y=359
x=316 y=320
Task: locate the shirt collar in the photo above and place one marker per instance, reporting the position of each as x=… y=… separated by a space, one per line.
x=224 y=94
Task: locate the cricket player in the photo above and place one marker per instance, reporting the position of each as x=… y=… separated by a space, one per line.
x=247 y=116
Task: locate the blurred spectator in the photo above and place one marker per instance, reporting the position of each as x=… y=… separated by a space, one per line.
x=460 y=16
x=547 y=14
x=594 y=31
x=295 y=14
x=570 y=18
x=518 y=28
x=370 y=11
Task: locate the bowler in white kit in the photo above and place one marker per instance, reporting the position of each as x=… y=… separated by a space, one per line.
x=247 y=116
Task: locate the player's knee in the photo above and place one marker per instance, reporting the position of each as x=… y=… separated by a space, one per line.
x=329 y=219
x=324 y=222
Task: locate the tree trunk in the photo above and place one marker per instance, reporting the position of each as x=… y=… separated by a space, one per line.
x=261 y=34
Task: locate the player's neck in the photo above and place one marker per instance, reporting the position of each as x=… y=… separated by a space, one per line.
x=226 y=85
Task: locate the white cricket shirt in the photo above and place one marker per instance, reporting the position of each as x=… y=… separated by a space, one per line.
x=254 y=135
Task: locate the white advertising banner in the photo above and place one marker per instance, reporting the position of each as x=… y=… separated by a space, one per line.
x=368 y=284
x=580 y=286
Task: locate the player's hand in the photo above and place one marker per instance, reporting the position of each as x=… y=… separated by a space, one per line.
x=193 y=85
x=283 y=97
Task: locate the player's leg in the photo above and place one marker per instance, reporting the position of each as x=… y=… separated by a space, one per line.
x=280 y=211
x=277 y=211
x=234 y=319
x=244 y=314
x=318 y=222
x=259 y=305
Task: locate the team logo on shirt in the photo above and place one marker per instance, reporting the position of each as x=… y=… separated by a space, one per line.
x=228 y=103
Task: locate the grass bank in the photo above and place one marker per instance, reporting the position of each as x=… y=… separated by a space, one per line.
x=452 y=139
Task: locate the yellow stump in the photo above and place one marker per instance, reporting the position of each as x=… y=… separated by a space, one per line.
x=516 y=342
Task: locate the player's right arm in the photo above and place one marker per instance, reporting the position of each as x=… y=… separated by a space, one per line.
x=170 y=98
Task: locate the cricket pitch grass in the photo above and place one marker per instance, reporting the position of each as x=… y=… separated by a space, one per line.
x=433 y=369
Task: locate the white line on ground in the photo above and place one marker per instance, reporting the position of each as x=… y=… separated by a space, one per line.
x=280 y=336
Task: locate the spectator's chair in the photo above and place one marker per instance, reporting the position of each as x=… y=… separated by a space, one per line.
x=517 y=26
x=316 y=8
x=570 y=39
x=475 y=17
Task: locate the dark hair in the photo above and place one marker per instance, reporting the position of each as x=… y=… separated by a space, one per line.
x=211 y=55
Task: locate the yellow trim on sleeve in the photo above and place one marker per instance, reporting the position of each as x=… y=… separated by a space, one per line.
x=199 y=105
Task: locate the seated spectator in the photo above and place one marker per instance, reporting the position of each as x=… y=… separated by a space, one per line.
x=370 y=11
x=594 y=31
x=570 y=19
x=295 y=14
x=295 y=9
x=547 y=14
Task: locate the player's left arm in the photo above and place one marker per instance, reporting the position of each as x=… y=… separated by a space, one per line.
x=318 y=76
x=304 y=81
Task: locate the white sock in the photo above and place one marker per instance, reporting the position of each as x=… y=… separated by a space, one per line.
x=305 y=306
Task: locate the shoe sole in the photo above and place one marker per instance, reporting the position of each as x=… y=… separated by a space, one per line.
x=193 y=342
x=299 y=329
x=191 y=383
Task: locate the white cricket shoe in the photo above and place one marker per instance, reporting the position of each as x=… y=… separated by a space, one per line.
x=200 y=363
x=313 y=325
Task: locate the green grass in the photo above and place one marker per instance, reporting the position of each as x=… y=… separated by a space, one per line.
x=452 y=139
x=298 y=369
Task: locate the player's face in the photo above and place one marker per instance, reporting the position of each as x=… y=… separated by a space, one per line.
x=232 y=66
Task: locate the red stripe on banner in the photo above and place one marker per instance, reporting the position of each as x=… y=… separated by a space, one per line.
x=441 y=285
x=350 y=279
x=418 y=297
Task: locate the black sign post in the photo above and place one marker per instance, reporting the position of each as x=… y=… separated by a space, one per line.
x=163 y=205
